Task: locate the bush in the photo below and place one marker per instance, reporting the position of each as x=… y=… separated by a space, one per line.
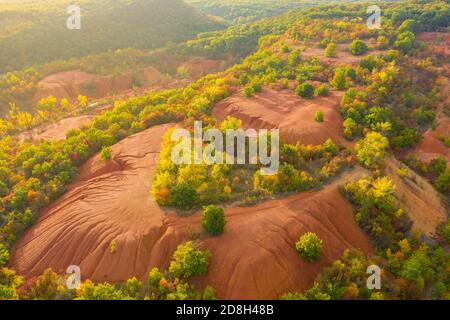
x=405 y=42
x=358 y=47
x=424 y=117
x=154 y=277
x=318 y=116
x=331 y=50
x=309 y=246
x=183 y=196
x=370 y=151
x=105 y=154
x=322 y=91
x=4 y=255
x=446 y=232
x=305 y=90
x=187 y=261
x=339 y=80
x=213 y=220
x=248 y=92
x=442 y=183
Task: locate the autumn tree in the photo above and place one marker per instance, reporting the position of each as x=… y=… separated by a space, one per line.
x=309 y=246
x=331 y=50
x=370 y=151
x=188 y=261
x=358 y=47
x=213 y=220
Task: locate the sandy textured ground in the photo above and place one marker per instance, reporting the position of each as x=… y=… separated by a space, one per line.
x=293 y=115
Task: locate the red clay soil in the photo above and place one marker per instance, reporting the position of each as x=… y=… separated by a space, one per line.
x=343 y=56
x=421 y=200
x=109 y=201
x=70 y=84
x=254 y=258
x=293 y=115
x=439 y=40
x=430 y=146
x=199 y=67
x=57 y=130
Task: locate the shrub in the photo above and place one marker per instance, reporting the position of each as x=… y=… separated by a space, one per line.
x=183 y=196
x=309 y=246
x=405 y=139
x=331 y=50
x=318 y=116
x=101 y=291
x=213 y=220
x=370 y=151
x=437 y=166
x=322 y=91
x=248 y=92
x=405 y=42
x=154 y=277
x=446 y=232
x=4 y=255
x=339 y=80
x=442 y=183
x=187 y=261
x=331 y=147
x=424 y=117
x=305 y=90
x=113 y=246
x=358 y=47
x=105 y=154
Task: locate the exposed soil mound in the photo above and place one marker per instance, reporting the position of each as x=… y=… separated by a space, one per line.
x=293 y=115
x=110 y=201
x=57 y=130
x=430 y=146
x=70 y=84
x=198 y=67
x=253 y=258
x=421 y=200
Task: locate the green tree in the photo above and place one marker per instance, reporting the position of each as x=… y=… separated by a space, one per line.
x=339 y=80
x=442 y=183
x=101 y=291
x=405 y=42
x=188 y=261
x=331 y=50
x=9 y=283
x=322 y=91
x=213 y=220
x=358 y=47
x=370 y=151
x=318 y=116
x=105 y=154
x=417 y=266
x=305 y=90
x=4 y=255
x=154 y=277
x=248 y=92
x=309 y=246
x=183 y=196
x=48 y=286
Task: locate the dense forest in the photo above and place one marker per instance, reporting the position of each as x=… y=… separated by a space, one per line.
x=238 y=11
x=35 y=32
x=388 y=102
